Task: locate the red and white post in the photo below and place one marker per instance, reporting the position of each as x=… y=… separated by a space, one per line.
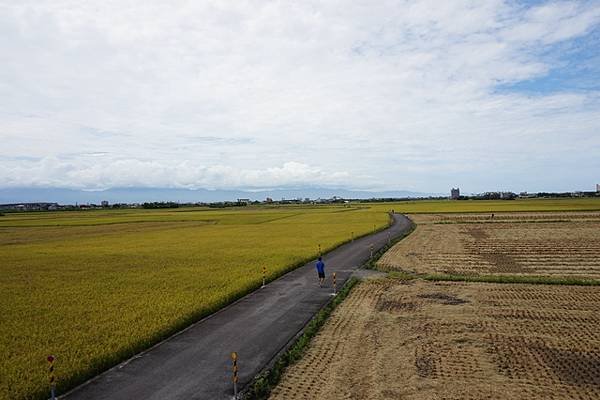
x=52 y=377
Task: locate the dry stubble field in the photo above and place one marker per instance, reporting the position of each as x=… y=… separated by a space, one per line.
x=395 y=339
x=549 y=244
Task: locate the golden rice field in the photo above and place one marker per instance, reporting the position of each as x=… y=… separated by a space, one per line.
x=95 y=287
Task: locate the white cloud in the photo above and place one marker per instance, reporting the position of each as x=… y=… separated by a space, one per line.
x=226 y=94
x=100 y=171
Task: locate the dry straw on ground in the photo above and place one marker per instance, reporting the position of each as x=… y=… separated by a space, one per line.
x=552 y=244
x=424 y=340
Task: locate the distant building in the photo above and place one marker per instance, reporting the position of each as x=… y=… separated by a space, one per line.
x=597 y=187
x=243 y=201
x=455 y=193
x=526 y=195
x=104 y=203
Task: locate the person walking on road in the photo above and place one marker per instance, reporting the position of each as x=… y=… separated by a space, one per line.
x=321 y=271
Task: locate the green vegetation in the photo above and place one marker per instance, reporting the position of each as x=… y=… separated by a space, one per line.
x=473 y=206
x=96 y=287
x=529 y=279
x=261 y=386
x=372 y=263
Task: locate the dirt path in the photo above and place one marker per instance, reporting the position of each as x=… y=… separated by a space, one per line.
x=424 y=340
x=195 y=364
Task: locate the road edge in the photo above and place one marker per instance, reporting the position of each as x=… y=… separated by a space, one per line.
x=260 y=387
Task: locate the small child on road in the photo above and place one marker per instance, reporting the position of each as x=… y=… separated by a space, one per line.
x=321 y=271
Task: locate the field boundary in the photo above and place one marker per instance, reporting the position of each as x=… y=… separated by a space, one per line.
x=372 y=263
x=509 y=279
x=526 y=221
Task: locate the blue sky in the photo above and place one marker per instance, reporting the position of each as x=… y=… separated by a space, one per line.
x=392 y=95
x=574 y=66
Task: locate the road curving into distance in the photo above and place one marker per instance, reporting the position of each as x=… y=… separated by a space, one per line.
x=195 y=363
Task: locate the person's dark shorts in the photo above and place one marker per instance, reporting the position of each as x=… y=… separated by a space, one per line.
x=321 y=274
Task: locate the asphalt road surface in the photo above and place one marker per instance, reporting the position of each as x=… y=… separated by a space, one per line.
x=195 y=363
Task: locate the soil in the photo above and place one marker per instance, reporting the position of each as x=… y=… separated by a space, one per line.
x=394 y=339
x=537 y=245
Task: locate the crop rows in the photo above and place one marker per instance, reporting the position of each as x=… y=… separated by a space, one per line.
x=424 y=340
x=562 y=249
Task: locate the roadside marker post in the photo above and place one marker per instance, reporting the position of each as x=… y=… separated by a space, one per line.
x=320 y=250
x=234 y=358
x=334 y=285
x=264 y=276
x=371 y=248
x=353 y=236
x=51 y=377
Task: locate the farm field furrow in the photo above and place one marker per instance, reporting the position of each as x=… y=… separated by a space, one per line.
x=569 y=248
x=94 y=288
x=396 y=339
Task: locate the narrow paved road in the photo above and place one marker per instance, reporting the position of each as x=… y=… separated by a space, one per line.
x=195 y=364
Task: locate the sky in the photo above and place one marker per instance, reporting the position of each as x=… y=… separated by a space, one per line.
x=362 y=95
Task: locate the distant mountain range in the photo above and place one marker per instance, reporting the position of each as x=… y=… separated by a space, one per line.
x=141 y=195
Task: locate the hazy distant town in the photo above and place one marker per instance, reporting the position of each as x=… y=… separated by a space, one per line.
x=240 y=202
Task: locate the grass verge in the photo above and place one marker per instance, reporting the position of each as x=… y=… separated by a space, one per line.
x=372 y=263
x=261 y=386
x=544 y=280
x=534 y=280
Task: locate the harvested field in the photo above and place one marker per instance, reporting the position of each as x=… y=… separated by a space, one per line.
x=522 y=244
x=520 y=217
x=423 y=340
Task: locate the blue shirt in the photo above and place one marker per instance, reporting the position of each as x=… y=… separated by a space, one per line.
x=320 y=266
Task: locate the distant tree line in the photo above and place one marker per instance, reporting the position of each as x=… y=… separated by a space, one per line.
x=225 y=204
x=161 y=204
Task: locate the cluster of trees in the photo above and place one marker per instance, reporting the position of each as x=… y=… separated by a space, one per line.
x=225 y=204
x=161 y=204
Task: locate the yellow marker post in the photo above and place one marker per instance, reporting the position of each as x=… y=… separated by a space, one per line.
x=264 y=276
x=51 y=377
x=234 y=358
